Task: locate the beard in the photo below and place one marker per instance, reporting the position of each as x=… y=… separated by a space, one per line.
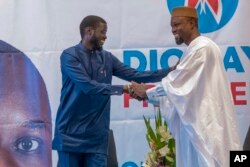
x=96 y=44
x=179 y=41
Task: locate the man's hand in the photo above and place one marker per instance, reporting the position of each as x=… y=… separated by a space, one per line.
x=126 y=89
x=138 y=91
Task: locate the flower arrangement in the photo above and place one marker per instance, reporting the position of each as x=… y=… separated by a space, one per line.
x=161 y=144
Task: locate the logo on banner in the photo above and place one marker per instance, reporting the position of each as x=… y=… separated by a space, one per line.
x=213 y=14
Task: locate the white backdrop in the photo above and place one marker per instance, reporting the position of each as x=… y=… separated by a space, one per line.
x=43 y=28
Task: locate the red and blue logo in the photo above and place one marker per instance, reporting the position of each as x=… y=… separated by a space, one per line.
x=213 y=14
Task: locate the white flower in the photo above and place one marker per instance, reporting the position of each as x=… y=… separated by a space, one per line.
x=152 y=156
x=164 y=150
x=162 y=130
x=152 y=145
x=145 y=165
x=159 y=138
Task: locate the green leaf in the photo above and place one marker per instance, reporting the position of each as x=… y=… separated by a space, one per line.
x=154 y=138
x=170 y=159
x=150 y=130
x=171 y=144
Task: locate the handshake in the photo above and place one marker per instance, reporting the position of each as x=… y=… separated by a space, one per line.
x=136 y=90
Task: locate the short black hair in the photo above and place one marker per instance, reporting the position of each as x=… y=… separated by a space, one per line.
x=90 y=21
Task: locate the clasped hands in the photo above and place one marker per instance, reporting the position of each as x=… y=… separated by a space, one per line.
x=136 y=90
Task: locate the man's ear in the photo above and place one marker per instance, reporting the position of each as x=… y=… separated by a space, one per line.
x=89 y=31
x=193 y=22
x=92 y=31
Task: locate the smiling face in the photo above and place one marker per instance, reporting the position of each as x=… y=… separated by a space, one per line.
x=98 y=36
x=25 y=122
x=182 y=29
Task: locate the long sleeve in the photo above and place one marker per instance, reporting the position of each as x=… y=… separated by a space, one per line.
x=199 y=106
x=74 y=69
x=154 y=93
x=130 y=74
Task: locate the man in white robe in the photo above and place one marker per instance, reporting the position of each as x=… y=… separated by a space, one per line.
x=196 y=98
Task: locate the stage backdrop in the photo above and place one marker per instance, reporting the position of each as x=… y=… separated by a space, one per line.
x=139 y=34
